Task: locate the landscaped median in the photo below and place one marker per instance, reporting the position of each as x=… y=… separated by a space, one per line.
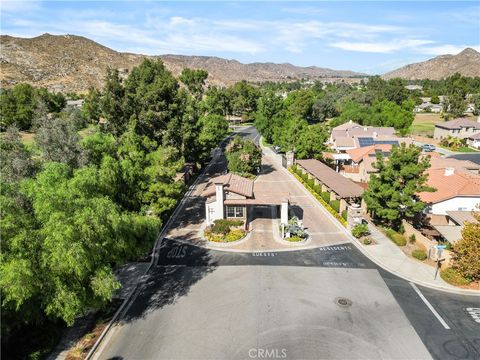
x=332 y=207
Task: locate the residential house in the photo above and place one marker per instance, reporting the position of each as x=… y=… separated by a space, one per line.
x=460 y=128
x=457 y=184
x=351 y=135
x=452 y=231
x=474 y=140
x=414 y=87
x=359 y=165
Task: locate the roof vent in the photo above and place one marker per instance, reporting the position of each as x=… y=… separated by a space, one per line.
x=449 y=171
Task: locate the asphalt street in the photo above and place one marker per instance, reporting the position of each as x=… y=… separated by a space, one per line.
x=329 y=302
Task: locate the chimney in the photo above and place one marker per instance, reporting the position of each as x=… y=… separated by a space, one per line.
x=449 y=171
x=219 y=200
x=365 y=128
x=375 y=135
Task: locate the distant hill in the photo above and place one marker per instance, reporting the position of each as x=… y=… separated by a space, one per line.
x=466 y=63
x=74 y=63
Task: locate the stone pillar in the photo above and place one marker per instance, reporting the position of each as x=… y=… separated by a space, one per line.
x=284 y=212
x=343 y=205
x=324 y=188
x=332 y=196
x=290 y=155
x=219 y=197
x=354 y=215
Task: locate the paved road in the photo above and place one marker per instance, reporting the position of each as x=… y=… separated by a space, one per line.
x=328 y=302
x=438 y=149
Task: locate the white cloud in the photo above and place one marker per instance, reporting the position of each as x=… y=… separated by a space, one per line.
x=445 y=49
x=19 y=6
x=380 y=47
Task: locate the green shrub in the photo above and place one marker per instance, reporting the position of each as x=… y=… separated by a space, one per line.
x=360 y=230
x=317 y=189
x=325 y=196
x=412 y=239
x=452 y=276
x=294 y=167
x=335 y=204
x=344 y=215
x=294 y=239
x=234 y=235
x=367 y=241
x=311 y=183
x=419 y=254
x=222 y=226
x=397 y=238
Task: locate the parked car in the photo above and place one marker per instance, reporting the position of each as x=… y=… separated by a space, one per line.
x=428 y=147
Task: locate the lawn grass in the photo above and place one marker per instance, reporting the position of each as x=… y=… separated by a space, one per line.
x=462 y=149
x=424 y=124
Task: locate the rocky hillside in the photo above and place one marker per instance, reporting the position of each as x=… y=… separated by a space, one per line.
x=74 y=63
x=466 y=63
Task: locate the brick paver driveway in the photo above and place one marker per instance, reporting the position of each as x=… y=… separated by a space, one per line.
x=264 y=220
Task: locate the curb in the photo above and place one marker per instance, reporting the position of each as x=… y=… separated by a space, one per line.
x=375 y=260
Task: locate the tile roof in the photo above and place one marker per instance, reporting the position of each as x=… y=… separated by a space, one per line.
x=342 y=186
x=458 y=124
x=231 y=182
x=474 y=137
x=437 y=162
x=360 y=153
x=459 y=183
x=460 y=217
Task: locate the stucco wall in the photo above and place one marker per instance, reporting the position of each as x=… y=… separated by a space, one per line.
x=464 y=203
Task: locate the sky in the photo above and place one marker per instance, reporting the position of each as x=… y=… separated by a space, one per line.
x=372 y=37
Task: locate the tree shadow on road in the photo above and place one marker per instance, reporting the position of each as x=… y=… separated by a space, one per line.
x=181 y=266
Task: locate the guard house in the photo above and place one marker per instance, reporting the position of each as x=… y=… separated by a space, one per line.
x=231 y=196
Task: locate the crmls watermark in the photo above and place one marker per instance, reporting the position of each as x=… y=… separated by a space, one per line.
x=267 y=353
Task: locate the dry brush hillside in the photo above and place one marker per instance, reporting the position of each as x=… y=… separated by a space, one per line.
x=74 y=63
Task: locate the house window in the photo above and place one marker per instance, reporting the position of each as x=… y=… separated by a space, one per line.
x=235 y=211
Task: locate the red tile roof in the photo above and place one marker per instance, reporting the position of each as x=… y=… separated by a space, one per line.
x=359 y=153
x=459 y=183
x=231 y=182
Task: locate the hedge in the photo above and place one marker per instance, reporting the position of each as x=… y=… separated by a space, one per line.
x=397 y=238
x=335 y=204
x=344 y=214
x=319 y=198
x=326 y=196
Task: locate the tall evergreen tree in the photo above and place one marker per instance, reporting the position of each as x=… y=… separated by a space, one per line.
x=392 y=193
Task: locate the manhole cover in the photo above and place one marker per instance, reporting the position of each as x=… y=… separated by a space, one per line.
x=343 y=302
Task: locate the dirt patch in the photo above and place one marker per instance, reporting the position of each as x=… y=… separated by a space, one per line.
x=81 y=348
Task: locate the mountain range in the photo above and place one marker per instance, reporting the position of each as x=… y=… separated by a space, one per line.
x=466 y=63
x=74 y=63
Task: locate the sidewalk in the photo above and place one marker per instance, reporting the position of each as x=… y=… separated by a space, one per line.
x=392 y=258
x=389 y=256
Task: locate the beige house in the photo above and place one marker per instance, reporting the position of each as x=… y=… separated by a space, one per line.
x=462 y=128
x=360 y=165
x=231 y=196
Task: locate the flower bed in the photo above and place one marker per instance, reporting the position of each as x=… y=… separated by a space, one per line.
x=319 y=198
x=224 y=230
